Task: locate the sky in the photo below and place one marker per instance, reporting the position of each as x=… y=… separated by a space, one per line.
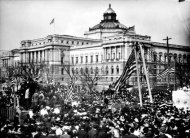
x=27 y=20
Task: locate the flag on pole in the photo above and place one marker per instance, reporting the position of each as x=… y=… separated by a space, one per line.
x=164 y=73
x=52 y=21
x=181 y=0
x=69 y=96
x=129 y=69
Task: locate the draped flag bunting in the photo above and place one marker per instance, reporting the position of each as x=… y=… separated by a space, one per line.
x=129 y=69
x=164 y=73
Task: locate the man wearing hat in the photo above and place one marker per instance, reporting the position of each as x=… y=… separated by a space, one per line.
x=93 y=132
x=82 y=133
x=162 y=132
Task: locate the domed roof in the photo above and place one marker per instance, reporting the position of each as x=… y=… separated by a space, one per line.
x=109 y=21
x=109 y=10
x=109 y=25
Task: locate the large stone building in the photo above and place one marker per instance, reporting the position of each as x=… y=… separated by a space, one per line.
x=106 y=46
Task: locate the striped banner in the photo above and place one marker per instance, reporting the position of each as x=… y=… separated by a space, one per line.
x=165 y=72
x=69 y=94
x=7 y=112
x=129 y=69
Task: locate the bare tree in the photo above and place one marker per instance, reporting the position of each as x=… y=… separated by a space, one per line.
x=89 y=78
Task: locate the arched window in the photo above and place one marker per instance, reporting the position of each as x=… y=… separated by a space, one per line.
x=117 y=69
x=175 y=57
x=112 y=70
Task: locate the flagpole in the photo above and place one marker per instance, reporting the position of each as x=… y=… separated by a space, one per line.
x=54 y=25
x=138 y=79
x=147 y=79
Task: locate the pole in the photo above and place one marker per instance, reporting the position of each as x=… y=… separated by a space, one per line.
x=54 y=25
x=146 y=74
x=168 y=76
x=174 y=74
x=138 y=78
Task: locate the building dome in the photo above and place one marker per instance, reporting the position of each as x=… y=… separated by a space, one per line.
x=109 y=10
x=109 y=21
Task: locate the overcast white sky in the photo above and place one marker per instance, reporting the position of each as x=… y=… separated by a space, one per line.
x=26 y=20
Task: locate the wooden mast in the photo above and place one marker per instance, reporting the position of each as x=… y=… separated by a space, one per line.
x=138 y=78
x=146 y=74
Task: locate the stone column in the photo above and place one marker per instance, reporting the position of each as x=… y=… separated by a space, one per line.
x=34 y=56
x=46 y=59
x=111 y=52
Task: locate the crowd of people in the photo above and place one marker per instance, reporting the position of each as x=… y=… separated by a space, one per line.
x=48 y=115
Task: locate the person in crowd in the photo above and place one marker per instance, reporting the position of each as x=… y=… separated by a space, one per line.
x=81 y=132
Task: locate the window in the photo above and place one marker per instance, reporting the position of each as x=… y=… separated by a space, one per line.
x=106 y=78
x=160 y=58
x=97 y=70
x=91 y=70
x=112 y=70
x=77 y=71
x=86 y=70
x=155 y=56
x=91 y=57
x=113 y=56
x=179 y=59
x=117 y=69
x=62 y=71
x=61 y=41
x=81 y=70
x=61 y=60
x=96 y=58
x=111 y=78
x=72 y=60
x=165 y=58
x=119 y=55
x=73 y=71
x=81 y=58
x=107 y=70
x=76 y=60
x=108 y=55
x=86 y=59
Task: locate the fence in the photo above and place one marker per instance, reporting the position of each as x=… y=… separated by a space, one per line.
x=7 y=112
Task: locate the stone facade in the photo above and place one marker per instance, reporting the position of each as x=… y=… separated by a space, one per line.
x=106 y=46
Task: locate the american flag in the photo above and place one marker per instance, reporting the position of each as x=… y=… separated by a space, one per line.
x=69 y=94
x=129 y=69
x=164 y=73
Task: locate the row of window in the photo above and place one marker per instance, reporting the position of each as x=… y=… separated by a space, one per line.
x=179 y=59
x=112 y=70
x=86 y=59
x=74 y=42
x=113 y=56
